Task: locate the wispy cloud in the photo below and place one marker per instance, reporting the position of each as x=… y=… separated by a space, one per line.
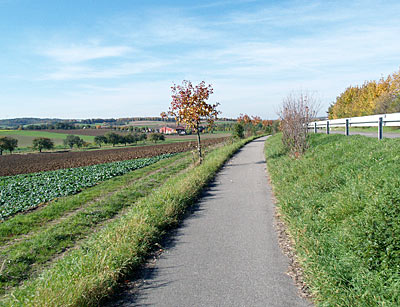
x=86 y=72
x=76 y=53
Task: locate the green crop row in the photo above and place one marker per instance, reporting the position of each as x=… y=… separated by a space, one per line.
x=22 y=192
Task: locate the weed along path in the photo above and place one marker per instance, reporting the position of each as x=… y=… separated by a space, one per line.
x=226 y=251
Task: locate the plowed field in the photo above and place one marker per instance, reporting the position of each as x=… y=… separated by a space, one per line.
x=32 y=163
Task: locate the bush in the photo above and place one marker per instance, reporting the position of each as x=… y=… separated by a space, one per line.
x=238 y=131
x=295 y=114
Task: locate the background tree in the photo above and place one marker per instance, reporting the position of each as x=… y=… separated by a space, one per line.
x=79 y=142
x=132 y=138
x=8 y=143
x=373 y=97
x=154 y=137
x=143 y=137
x=72 y=140
x=189 y=107
x=100 y=139
x=238 y=131
x=42 y=143
x=113 y=138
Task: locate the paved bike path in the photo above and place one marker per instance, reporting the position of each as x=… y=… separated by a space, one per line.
x=226 y=252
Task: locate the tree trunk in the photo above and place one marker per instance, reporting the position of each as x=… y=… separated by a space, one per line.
x=199 y=145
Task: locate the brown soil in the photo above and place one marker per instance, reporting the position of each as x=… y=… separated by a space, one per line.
x=31 y=163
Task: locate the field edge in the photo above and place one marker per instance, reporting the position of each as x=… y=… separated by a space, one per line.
x=89 y=274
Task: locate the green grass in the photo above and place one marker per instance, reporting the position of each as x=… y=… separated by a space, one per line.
x=25 y=138
x=341 y=202
x=30 y=254
x=88 y=274
x=370 y=129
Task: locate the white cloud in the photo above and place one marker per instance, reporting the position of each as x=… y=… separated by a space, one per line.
x=109 y=72
x=76 y=54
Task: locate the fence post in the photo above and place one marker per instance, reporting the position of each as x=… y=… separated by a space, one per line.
x=347 y=127
x=380 y=128
x=315 y=127
x=327 y=127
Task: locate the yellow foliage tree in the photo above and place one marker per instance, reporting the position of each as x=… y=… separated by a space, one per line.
x=373 y=97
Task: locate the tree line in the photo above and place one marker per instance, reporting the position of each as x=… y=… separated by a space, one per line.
x=40 y=143
x=249 y=125
x=373 y=97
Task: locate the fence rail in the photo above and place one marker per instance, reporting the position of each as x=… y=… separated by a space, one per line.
x=380 y=121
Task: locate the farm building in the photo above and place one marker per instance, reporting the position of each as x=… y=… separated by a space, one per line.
x=167 y=130
x=180 y=130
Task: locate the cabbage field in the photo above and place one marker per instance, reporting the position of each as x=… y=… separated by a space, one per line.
x=22 y=192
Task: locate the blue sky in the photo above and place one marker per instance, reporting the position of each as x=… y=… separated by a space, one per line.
x=100 y=58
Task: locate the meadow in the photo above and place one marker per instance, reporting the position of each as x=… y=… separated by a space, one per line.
x=25 y=137
x=341 y=204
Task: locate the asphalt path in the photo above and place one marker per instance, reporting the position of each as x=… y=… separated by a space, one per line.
x=226 y=251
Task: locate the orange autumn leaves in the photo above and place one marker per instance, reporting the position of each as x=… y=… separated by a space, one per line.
x=253 y=120
x=189 y=106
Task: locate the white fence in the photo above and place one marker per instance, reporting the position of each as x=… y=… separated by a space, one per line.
x=379 y=121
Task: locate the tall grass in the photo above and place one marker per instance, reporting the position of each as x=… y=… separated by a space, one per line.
x=88 y=274
x=341 y=202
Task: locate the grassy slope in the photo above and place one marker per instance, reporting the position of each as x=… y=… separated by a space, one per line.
x=370 y=129
x=86 y=275
x=341 y=202
x=30 y=254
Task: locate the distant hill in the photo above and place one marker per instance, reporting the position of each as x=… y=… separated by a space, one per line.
x=14 y=123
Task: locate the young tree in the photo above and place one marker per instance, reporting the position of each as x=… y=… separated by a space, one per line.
x=238 y=131
x=295 y=114
x=42 y=143
x=8 y=143
x=189 y=107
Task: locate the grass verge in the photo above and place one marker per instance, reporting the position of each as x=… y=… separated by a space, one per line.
x=341 y=202
x=88 y=274
x=29 y=256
